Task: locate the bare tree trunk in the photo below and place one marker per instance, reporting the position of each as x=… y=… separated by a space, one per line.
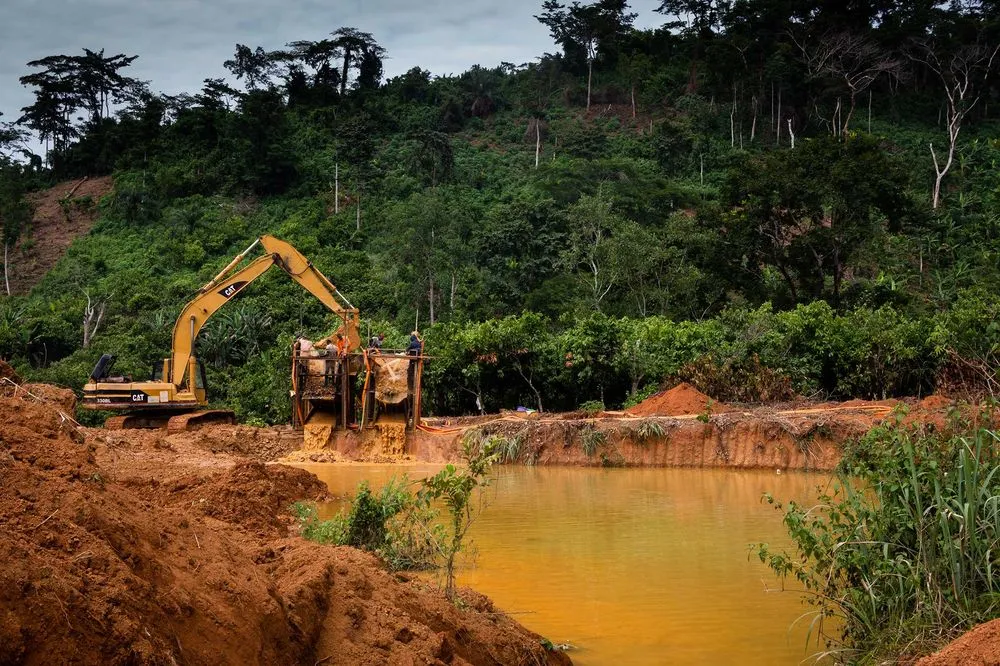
x=633 y=100
x=701 y=171
x=357 y=221
x=850 y=113
x=869 y=111
x=732 y=122
x=777 y=139
x=940 y=172
x=430 y=298
x=336 y=189
x=771 y=116
x=531 y=385
x=6 y=278
x=590 y=74
x=538 y=140
x=753 y=125
x=791 y=134
x=92 y=315
x=451 y=301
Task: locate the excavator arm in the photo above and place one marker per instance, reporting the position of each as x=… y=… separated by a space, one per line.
x=224 y=286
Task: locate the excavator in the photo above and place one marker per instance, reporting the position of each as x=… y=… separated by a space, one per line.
x=176 y=395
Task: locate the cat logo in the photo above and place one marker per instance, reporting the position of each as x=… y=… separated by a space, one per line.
x=139 y=396
x=232 y=289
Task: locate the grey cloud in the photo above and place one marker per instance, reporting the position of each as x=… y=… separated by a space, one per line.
x=182 y=42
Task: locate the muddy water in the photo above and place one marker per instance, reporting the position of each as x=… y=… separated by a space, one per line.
x=644 y=566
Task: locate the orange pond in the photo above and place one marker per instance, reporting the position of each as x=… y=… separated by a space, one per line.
x=632 y=566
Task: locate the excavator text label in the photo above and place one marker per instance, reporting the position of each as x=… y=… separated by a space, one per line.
x=231 y=290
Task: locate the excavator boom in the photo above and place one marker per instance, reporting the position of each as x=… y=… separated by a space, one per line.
x=224 y=286
x=181 y=388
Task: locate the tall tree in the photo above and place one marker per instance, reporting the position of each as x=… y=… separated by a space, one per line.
x=854 y=61
x=358 y=51
x=587 y=30
x=254 y=66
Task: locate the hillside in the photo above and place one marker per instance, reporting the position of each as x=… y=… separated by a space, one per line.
x=705 y=203
x=59 y=215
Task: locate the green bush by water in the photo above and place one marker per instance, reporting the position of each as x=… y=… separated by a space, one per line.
x=903 y=548
x=393 y=524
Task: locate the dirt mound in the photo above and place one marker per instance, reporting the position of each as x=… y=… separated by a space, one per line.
x=7 y=371
x=252 y=495
x=978 y=647
x=62 y=213
x=681 y=400
x=57 y=396
x=376 y=618
x=935 y=401
x=263 y=444
x=98 y=571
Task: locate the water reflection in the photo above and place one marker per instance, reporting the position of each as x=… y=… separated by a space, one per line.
x=632 y=566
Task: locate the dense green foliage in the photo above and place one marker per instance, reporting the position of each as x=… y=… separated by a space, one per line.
x=395 y=524
x=745 y=197
x=405 y=528
x=902 y=550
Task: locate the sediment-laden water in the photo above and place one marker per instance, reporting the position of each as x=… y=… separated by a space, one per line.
x=632 y=566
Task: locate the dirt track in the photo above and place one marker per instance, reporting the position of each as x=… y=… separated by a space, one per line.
x=122 y=549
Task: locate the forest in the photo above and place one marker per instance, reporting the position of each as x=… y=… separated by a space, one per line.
x=767 y=199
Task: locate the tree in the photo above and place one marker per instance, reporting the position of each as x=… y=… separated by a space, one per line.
x=359 y=51
x=807 y=212
x=458 y=489
x=960 y=72
x=587 y=30
x=254 y=67
x=592 y=223
x=853 y=60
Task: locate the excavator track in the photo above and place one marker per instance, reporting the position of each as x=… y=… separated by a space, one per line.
x=133 y=421
x=185 y=422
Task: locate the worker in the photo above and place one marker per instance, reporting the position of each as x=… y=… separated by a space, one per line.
x=416 y=345
x=341 y=345
x=415 y=348
x=375 y=345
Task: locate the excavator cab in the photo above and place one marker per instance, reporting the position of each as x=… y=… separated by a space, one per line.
x=102 y=371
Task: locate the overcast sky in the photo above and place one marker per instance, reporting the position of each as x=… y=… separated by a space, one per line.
x=182 y=42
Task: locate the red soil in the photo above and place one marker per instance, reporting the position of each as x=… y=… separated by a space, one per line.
x=978 y=647
x=7 y=371
x=108 y=555
x=681 y=400
x=936 y=402
x=59 y=218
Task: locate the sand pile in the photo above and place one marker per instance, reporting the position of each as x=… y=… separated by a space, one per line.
x=200 y=568
x=681 y=400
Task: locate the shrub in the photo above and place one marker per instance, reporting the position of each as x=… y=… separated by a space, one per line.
x=903 y=549
x=648 y=429
x=591 y=439
x=393 y=524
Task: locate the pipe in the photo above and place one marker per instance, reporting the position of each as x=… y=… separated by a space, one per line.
x=230 y=266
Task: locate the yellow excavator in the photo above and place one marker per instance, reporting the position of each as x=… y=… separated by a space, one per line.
x=176 y=394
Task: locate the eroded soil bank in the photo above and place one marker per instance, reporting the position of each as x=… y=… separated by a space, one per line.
x=137 y=548
x=790 y=437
